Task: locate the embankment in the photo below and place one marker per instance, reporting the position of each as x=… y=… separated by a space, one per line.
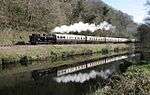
x=43 y=52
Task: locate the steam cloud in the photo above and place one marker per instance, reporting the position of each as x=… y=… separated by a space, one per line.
x=78 y=27
x=83 y=77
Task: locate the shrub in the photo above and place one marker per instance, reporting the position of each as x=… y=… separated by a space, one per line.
x=105 y=51
x=116 y=49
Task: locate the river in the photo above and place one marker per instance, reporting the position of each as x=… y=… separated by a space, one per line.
x=79 y=76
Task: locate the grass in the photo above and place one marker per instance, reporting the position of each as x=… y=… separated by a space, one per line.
x=44 y=52
x=135 y=81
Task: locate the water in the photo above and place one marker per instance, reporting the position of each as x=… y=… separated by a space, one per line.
x=77 y=79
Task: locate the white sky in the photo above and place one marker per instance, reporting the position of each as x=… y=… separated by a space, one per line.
x=135 y=8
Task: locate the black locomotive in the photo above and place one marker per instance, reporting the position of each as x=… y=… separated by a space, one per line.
x=41 y=39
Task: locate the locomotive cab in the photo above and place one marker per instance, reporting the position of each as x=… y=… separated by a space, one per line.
x=34 y=38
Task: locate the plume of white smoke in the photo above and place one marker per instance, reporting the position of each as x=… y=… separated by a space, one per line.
x=78 y=27
x=80 y=78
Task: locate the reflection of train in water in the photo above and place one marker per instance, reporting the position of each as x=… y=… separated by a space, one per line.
x=90 y=65
x=66 y=69
x=70 y=38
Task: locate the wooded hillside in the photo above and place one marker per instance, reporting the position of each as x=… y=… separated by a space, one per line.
x=28 y=16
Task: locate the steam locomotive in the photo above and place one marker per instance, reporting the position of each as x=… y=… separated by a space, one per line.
x=74 y=39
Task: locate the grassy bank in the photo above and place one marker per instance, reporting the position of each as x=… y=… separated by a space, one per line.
x=135 y=81
x=43 y=52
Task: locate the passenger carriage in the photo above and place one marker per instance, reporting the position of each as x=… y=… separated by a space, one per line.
x=111 y=39
x=94 y=39
x=69 y=38
x=123 y=40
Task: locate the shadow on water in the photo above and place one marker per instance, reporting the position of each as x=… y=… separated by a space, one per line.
x=78 y=79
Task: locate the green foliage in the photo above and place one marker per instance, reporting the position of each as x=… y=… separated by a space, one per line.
x=105 y=51
x=135 y=81
x=116 y=49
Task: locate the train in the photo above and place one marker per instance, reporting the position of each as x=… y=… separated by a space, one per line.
x=74 y=39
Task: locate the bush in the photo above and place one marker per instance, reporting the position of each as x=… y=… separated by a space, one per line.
x=116 y=49
x=105 y=51
x=24 y=60
x=135 y=81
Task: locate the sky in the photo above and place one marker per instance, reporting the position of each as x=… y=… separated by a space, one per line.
x=135 y=8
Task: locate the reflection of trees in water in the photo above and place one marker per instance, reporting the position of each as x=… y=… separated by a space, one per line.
x=47 y=86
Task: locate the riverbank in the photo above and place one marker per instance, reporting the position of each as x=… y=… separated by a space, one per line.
x=26 y=53
x=135 y=81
